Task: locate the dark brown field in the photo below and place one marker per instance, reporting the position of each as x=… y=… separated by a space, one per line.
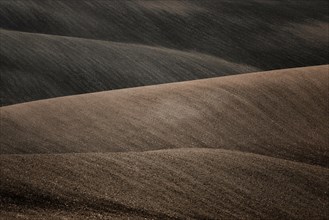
x=164 y=109
x=252 y=146
x=56 y=48
x=166 y=184
x=38 y=66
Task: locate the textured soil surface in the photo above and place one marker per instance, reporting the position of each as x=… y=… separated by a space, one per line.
x=252 y=146
x=164 y=109
x=67 y=47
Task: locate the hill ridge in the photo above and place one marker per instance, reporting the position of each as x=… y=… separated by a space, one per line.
x=36 y=66
x=278 y=113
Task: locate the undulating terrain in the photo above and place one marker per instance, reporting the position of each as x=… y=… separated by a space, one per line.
x=166 y=184
x=48 y=48
x=280 y=113
x=44 y=66
x=164 y=109
x=247 y=146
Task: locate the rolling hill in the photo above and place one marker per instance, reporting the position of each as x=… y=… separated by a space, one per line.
x=38 y=66
x=60 y=48
x=164 y=109
x=165 y=184
x=268 y=34
x=278 y=113
x=246 y=146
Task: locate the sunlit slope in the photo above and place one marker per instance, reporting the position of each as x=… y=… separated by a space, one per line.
x=268 y=34
x=181 y=183
x=37 y=66
x=280 y=113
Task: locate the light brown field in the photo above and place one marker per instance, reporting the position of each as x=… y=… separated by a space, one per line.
x=279 y=113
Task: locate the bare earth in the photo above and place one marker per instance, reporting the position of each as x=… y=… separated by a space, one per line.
x=67 y=47
x=252 y=146
x=164 y=109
